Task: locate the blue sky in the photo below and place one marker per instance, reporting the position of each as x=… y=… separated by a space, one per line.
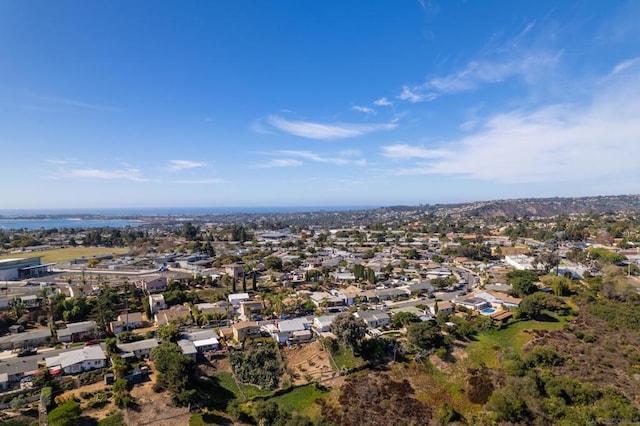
x=308 y=103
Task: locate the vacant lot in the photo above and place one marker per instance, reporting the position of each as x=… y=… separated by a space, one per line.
x=68 y=254
x=305 y=362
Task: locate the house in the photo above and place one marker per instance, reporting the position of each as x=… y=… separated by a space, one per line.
x=30 y=301
x=235 y=271
x=179 y=313
x=322 y=324
x=18 y=368
x=497 y=298
x=153 y=283
x=296 y=329
x=204 y=340
x=139 y=349
x=373 y=318
x=29 y=339
x=244 y=329
x=126 y=322
x=474 y=303
x=77 y=331
x=249 y=308
x=188 y=348
x=78 y=360
x=391 y=293
x=236 y=298
x=156 y=303
x=350 y=295
x=444 y=307
x=213 y=308
x=324 y=299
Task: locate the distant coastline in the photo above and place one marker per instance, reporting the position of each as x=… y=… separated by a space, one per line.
x=168 y=211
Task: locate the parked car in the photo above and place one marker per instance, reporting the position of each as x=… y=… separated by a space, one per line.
x=27 y=352
x=92 y=342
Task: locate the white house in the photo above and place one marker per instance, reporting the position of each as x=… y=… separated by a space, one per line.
x=236 y=298
x=373 y=318
x=322 y=324
x=77 y=361
x=157 y=303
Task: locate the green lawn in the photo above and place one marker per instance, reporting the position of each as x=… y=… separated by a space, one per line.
x=251 y=391
x=344 y=358
x=485 y=348
x=225 y=381
x=301 y=400
x=68 y=254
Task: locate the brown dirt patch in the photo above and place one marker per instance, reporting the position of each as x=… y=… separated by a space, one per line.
x=307 y=360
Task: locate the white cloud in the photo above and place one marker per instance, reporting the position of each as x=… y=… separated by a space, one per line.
x=469 y=125
x=383 y=102
x=178 y=165
x=125 y=174
x=199 y=181
x=403 y=151
x=623 y=66
x=342 y=158
x=364 y=109
x=323 y=131
x=416 y=94
x=280 y=162
x=554 y=143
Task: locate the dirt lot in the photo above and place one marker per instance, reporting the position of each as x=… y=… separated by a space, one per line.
x=309 y=359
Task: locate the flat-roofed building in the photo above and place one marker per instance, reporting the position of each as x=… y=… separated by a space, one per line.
x=23 y=267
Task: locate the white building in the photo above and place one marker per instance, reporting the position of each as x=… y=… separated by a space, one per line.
x=373 y=318
x=520 y=262
x=77 y=361
x=236 y=298
x=157 y=303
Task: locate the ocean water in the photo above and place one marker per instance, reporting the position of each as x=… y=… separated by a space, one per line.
x=59 y=223
x=122 y=217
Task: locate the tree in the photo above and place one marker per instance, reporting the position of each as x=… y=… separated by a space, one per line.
x=173 y=367
x=254 y=281
x=169 y=332
x=508 y=406
x=425 y=335
x=244 y=283
x=349 y=330
x=522 y=282
x=403 y=319
x=273 y=262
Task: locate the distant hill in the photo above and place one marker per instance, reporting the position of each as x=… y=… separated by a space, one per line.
x=543 y=207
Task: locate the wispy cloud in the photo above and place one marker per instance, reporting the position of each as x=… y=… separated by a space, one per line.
x=502 y=59
x=76 y=104
x=553 y=143
x=383 y=102
x=342 y=158
x=417 y=94
x=100 y=174
x=364 y=109
x=403 y=151
x=323 y=131
x=210 y=181
x=179 y=165
x=279 y=162
x=622 y=66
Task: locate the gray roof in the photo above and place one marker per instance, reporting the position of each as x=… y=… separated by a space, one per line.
x=293 y=325
x=23 y=337
x=77 y=327
x=187 y=347
x=202 y=335
x=12 y=366
x=373 y=315
x=138 y=346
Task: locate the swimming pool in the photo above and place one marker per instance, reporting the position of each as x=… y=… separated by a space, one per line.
x=488 y=310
